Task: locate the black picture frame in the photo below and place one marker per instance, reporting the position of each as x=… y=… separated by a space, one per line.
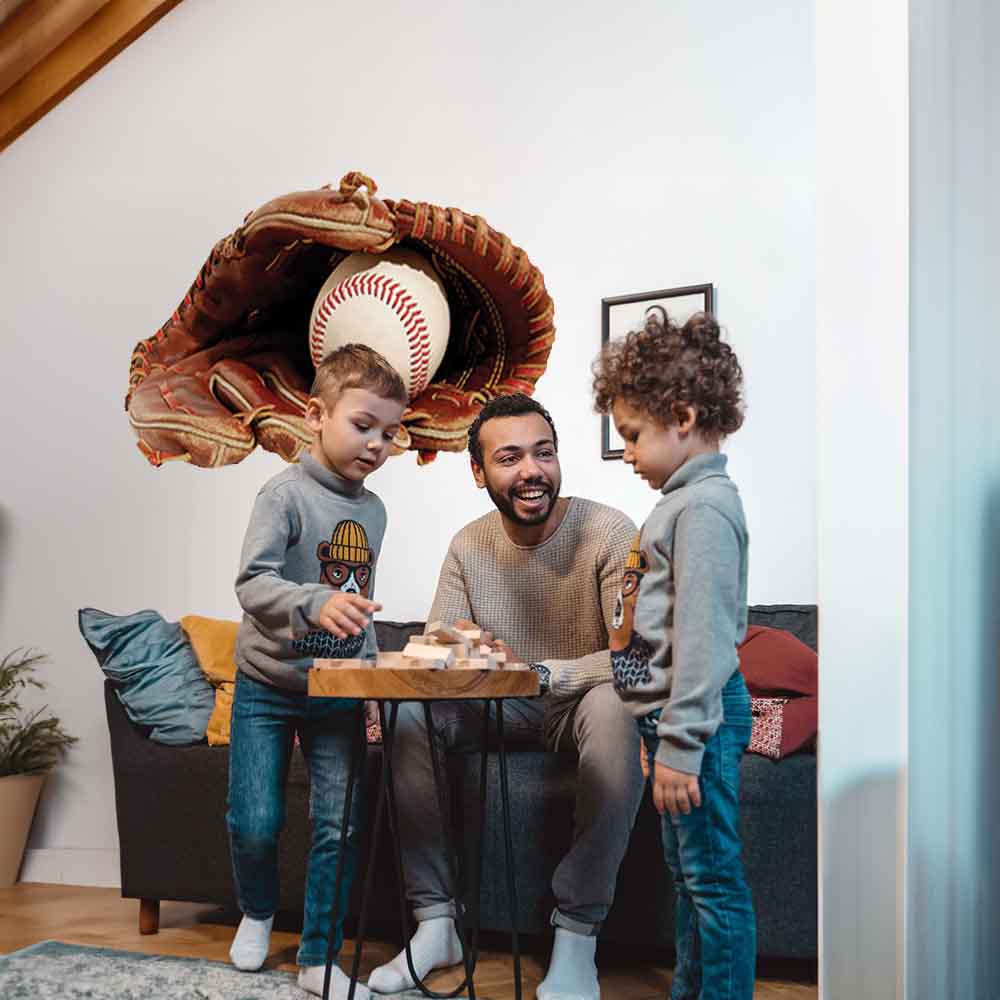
x=627 y=308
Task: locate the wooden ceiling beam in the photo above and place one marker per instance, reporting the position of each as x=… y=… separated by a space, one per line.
x=94 y=43
x=7 y=8
x=35 y=30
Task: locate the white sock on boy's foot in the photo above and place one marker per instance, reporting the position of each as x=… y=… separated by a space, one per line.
x=434 y=946
x=311 y=980
x=249 y=947
x=572 y=971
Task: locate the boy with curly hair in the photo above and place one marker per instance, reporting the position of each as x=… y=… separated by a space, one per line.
x=674 y=392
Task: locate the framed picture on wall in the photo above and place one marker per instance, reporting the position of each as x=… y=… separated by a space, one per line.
x=622 y=313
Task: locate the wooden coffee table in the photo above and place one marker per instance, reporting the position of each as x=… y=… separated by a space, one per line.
x=391 y=687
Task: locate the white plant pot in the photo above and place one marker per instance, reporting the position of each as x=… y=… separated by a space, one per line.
x=18 y=798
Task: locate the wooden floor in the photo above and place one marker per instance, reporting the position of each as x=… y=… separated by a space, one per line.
x=100 y=917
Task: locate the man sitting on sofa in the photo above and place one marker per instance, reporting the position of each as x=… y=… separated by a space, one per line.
x=542 y=573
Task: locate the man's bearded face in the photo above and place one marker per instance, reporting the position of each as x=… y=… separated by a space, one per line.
x=520 y=467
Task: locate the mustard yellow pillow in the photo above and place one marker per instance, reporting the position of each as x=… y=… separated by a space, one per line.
x=214 y=644
x=217 y=732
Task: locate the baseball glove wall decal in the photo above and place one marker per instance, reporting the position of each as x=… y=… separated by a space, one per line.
x=231 y=368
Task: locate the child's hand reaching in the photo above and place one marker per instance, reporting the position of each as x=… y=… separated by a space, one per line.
x=346 y=614
x=675 y=791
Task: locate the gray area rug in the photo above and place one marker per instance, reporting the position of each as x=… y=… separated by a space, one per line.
x=76 y=972
x=52 y=969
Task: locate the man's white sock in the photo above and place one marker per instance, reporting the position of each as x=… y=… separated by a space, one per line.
x=311 y=980
x=572 y=971
x=249 y=947
x=434 y=946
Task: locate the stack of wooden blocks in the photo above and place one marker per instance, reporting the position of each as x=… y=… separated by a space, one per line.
x=441 y=647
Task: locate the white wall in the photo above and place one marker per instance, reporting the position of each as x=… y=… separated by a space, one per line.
x=663 y=144
x=862 y=437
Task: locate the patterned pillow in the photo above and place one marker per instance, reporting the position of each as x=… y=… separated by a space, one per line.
x=767 y=719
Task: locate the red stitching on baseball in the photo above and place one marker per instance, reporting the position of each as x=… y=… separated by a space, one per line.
x=397 y=298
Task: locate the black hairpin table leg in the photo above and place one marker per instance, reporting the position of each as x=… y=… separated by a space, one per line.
x=461 y=923
x=373 y=845
x=355 y=774
x=468 y=930
x=509 y=852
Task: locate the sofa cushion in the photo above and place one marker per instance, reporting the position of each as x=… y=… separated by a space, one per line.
x=777 y=665
x=214 y=644
x=799 y=619
x=392 y=637
x=156 y=674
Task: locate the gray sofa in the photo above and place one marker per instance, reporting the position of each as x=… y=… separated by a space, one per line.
x=171 y=804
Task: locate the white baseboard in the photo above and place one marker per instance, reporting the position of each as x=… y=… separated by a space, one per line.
x=72 y=866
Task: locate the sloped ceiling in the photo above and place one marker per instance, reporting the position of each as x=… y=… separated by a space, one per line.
x=49 y=47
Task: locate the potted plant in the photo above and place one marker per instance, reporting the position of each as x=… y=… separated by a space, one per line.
x=30 y=745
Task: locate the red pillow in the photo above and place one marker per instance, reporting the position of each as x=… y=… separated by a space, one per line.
x=777 y=665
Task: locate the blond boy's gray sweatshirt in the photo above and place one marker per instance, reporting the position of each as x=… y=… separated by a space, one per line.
x=311 y=532
x=682 y=609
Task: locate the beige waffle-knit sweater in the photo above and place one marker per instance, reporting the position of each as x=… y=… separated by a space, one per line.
x=551 y=603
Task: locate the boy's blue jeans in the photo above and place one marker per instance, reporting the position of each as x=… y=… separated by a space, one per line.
x=716 y=933
x=264 y=722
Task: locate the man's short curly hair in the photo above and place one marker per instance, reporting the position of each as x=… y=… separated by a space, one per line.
x=664 y=365
x=514 y=404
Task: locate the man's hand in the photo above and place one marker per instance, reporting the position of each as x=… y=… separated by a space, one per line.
x=346 y=614
x=487 y=638
x=675 y=791
x=501 y=647
x=466 y=624
x=371 y=713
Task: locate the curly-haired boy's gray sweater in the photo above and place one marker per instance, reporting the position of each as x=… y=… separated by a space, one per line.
x=682 y=609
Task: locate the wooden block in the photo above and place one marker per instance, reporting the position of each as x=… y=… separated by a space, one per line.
x=472 y=634
x=342 y=664
x=400 y=661
x=436 y=657
x=460 y=650
x=426 y=640
x=445 y=633
x=476 y=664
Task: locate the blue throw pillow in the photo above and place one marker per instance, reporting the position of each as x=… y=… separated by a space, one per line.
x=155 y=672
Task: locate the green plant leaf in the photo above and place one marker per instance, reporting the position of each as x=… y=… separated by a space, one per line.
x=29 y=743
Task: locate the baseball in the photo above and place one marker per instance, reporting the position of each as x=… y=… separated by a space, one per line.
x=391 y=302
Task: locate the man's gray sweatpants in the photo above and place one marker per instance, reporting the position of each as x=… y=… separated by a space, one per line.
x=608 y=792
